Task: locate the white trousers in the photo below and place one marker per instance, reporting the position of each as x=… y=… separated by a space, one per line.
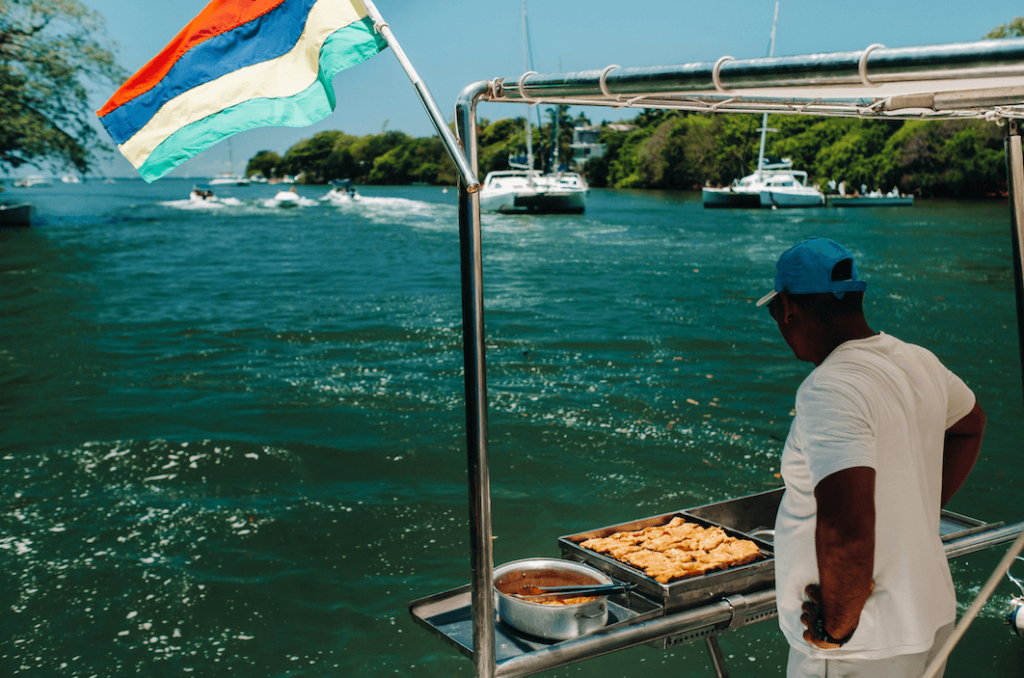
x=901 y=666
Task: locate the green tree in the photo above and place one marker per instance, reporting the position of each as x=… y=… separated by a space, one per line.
x=266 y=163
x=51 y=52
x=1012 y=29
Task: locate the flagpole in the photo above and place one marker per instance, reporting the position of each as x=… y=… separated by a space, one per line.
x=451 y=145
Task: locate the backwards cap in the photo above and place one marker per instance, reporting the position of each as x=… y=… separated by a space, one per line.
x=806 y=268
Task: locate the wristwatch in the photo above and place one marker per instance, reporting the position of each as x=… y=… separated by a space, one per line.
x=819 y=630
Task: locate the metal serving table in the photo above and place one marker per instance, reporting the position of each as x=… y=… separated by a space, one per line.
x=640 y=618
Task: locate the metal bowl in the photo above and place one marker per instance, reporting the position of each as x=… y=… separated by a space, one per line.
x=550 y=622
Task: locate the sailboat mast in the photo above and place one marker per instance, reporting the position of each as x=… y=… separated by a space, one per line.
x=529 y=67
x=764 y=118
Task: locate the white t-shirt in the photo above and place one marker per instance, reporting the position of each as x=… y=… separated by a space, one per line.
x=885 y=404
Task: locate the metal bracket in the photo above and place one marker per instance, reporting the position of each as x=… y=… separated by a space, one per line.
x=739 y=606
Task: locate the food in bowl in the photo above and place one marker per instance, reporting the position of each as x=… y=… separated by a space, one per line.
x=570 y=617
x=677 y=550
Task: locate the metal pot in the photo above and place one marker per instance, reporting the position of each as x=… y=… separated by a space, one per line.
x=551 y=622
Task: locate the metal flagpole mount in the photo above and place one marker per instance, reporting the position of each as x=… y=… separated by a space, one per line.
x=455 y=151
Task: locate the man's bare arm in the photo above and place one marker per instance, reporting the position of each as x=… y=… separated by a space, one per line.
x=845 y=546
x=960 y=451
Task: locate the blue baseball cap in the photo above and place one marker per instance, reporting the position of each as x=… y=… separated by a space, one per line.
x=806 y=268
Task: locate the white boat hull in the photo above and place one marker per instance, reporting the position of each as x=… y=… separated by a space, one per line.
x=786 y=199
x=522 y=192
x=728 y=197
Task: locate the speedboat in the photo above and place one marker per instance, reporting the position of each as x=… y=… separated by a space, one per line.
x=202 y=196
x=33 y=180
x=790 y=189
x=342 y=193
x=289 y=198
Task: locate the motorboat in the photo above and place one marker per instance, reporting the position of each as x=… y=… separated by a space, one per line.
x=873 y=199
x=16 y=215
x=32 y=180
x=790 y=189
x=523 y=189
x=341 y=193
x=70 y=179
x=288 y=199
x=202 y=194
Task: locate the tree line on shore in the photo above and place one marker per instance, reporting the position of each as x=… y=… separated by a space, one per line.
x=682 y=151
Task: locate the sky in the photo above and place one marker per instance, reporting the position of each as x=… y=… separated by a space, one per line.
x=454 y=43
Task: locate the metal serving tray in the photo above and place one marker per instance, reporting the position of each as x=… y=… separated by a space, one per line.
x=685 y=593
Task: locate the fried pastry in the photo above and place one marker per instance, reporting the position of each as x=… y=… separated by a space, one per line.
x=676 y=550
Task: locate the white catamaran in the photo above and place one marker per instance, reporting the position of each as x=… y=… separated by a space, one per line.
x=525 y=189
x=774 y=183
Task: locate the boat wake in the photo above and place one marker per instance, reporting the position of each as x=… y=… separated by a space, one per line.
x=405 y=211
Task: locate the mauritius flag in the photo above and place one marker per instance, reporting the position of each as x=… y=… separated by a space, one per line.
x=239 y=65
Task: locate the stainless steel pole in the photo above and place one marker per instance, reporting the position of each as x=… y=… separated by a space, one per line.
x=875 y=65
x=474 y=358
x=1015 y=185
x=462 y=164
x=715 y=651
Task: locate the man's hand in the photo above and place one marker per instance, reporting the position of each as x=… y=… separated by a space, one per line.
x=811 y=611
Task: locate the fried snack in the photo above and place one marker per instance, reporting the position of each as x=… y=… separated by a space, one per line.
x=677 y=550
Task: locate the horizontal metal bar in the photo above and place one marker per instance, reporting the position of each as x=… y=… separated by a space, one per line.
x=982 y=540
x=586 y=647
x=989 y=58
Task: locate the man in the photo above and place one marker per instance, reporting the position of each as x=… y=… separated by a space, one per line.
x=884 y=435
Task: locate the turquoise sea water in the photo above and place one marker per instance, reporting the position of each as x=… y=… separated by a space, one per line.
x=232 y=441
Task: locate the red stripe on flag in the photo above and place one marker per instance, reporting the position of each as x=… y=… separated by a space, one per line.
x=220 y=16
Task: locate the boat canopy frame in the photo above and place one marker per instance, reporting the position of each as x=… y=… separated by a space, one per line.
x=980 y=80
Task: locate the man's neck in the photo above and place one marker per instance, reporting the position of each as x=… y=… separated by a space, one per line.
x=842 y=330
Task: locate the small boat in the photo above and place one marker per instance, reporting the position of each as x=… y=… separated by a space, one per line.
x=70 y=179
x=33 y=180
x=342 y=193
x=890 y=199
x=289 y=198
x=790 y=190
x=16 y=215
x=202 y=195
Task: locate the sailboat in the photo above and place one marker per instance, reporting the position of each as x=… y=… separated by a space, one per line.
x=774 y=183
x=228 y=178
x=523 y=189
